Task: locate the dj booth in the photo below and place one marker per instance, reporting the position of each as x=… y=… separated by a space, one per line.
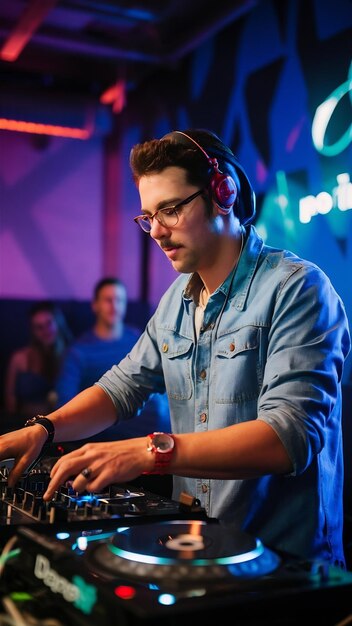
x=133 y=557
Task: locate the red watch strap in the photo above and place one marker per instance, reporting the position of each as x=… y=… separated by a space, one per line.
x=162 y=459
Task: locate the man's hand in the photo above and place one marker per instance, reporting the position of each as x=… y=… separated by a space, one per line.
x=96 y=465
x=24 y=446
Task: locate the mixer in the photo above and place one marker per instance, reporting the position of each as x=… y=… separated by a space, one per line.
x=24 y=504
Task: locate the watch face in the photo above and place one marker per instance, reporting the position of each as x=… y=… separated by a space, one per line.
x=163 y=442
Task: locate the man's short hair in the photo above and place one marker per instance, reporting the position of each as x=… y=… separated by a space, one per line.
x=107 y=280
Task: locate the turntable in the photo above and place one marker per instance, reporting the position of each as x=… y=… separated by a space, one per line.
x=183 y=552
x=174 y=569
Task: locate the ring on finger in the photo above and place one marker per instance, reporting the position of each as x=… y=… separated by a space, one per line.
x=86 y=472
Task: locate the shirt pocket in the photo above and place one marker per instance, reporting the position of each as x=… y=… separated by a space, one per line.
x=237 y=366
x=176 y=359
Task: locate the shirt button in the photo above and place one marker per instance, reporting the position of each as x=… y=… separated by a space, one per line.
x=165 y=347
x=203 y=418
x=205 y=488
x=203 y=374
x=232 y=347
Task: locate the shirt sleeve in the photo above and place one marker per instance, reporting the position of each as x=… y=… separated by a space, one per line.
x=308 y=343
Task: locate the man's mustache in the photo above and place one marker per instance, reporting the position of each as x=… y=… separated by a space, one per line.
x=168 y=244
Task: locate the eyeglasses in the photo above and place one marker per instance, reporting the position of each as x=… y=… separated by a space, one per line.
x=167 y=216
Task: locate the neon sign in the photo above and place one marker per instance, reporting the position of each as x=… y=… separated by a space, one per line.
x=322 y=118
x=341 y=198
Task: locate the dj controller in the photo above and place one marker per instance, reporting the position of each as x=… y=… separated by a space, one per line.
x=24 y=504
x=131 y=557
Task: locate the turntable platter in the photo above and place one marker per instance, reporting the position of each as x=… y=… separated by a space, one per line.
x=183 y=551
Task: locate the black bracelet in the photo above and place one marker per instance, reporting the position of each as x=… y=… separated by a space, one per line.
x=46 y=423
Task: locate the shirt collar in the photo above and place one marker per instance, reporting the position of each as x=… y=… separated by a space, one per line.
x=252 y=247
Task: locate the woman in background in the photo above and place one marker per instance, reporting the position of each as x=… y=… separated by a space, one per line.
x=32 y=370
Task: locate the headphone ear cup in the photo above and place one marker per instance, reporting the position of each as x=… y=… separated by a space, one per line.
x=224 y=190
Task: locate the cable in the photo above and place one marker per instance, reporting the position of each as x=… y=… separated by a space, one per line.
x=6 y=620
x=15 y=617
x=12 y=610
x=7 y=552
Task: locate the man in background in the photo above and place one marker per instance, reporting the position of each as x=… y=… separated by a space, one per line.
x=98 y=349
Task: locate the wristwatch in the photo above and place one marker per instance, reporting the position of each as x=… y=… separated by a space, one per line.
x=162 y=446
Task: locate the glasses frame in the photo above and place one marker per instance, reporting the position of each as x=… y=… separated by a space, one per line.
x=143 y=220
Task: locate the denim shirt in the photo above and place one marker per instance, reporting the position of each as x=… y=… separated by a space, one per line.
x=272 y=347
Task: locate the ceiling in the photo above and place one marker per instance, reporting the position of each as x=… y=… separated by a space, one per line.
x=102 y=49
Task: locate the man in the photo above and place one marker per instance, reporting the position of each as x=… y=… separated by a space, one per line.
x=106 y=343
x=98 y=349
x=249 y=343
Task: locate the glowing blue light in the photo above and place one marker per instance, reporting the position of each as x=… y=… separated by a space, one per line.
x=322 y=117
x=324 y=202
x=62 y=535
x=282 y=201
x=89 y=497
x=158 y=560
x=266 y=563
x=89 y=538
x=166 y=599
x=82 y=543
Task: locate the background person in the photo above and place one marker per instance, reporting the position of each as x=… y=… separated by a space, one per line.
x=32 y=370
x=98 y=349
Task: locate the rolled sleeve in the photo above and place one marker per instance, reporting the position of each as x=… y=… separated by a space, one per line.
x=308 y=343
